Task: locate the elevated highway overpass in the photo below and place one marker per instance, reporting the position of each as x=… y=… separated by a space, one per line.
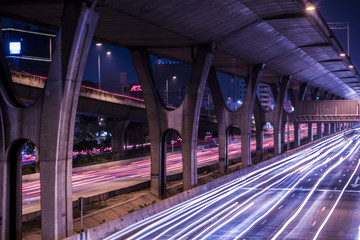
x=276 y=42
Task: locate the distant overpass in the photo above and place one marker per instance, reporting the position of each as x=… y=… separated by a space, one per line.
x=332 y=111
x=94 y=101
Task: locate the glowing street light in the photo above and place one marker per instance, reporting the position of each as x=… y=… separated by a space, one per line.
x=310 y=7
x=342 y=54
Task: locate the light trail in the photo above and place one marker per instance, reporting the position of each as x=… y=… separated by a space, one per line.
x=314 y=150
x=257 y=186
x=309 y=195
x=336 y=203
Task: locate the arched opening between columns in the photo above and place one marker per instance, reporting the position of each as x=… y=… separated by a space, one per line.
x=14 y=195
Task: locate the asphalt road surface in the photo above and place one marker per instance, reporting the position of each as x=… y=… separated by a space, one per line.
x=313 y=194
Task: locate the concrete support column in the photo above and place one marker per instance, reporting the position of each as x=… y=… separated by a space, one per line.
x=191 y=112
x=223 y=120
x=297 y=134
x=319 y=131
x=259 y=115
x=259 y=141
x=283 y=133
x=277 y=115
x=332 y=128
x=157 y=120
x=118 y=129
x=252 y=81
x=327 y=129
x=58 y=116
x=310 y=132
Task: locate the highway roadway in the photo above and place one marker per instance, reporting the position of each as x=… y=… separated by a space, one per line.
x=92 y=182
x=313 y=194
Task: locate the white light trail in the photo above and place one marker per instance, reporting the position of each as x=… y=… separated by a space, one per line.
x=336 y=203
x=309 y=195
x=192 y=203
x=222 y=224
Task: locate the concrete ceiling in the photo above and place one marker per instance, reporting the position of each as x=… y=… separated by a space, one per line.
x=278 y=33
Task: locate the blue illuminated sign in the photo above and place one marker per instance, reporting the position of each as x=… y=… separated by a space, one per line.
x=15 y=47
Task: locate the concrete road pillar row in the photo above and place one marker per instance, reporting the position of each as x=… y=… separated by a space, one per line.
x=276 y=115
x=279 y=110
x=259 y=115
x=247 y=110
x=157 y=121
x=190 y=109
x=223 y=117
x=118 y=130
x=58 y=113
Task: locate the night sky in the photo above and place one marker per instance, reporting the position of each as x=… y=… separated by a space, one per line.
x=342 y=11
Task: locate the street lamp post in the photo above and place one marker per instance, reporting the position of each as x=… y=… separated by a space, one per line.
x=99 y=71
x=99 y=63
x=342 y=26
x=167 y=89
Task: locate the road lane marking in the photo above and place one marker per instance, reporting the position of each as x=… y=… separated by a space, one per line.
x=314 y=223
x=294 y=215
x=330 y=196
x=323 y=208
x=281 y=206
x=337 y=201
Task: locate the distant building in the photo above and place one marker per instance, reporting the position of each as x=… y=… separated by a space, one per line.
x=265 y=96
